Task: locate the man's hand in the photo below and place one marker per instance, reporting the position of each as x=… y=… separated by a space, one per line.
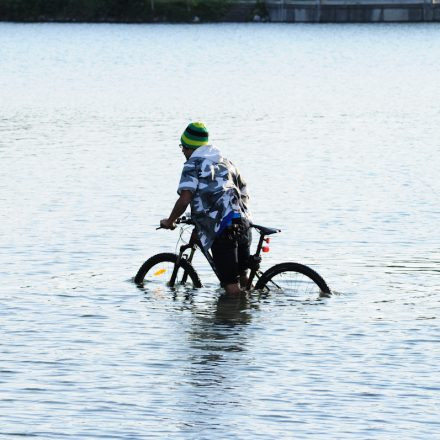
x=167 y=224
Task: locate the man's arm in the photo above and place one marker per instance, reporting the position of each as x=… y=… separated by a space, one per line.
x=179 y=208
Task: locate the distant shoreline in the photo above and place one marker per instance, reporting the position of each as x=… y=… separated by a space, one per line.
x=220 y=11
x=139 y=11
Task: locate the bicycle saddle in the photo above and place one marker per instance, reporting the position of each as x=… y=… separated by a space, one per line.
x=265 y=231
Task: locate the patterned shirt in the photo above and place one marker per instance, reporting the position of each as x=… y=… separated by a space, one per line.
x=219 y=192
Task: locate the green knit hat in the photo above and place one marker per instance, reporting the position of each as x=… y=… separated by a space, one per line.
x=194 y=136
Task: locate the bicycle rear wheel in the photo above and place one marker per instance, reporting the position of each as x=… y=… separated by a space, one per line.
x=294 y=279
x=157 y=271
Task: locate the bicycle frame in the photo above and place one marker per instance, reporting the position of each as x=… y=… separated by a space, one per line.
x=194 y=244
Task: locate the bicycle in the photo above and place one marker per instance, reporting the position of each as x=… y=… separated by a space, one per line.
x=292 y=277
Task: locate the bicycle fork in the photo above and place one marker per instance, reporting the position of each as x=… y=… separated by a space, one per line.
x=181 y=256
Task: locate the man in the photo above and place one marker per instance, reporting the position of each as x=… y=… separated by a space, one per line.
x=218 y=197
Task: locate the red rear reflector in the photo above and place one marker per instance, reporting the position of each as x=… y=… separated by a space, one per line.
x=266 y=249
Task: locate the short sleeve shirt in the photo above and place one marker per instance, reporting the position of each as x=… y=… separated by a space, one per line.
x=218 y=191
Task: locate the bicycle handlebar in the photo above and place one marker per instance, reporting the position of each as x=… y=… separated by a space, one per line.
x=185 y=220
x=180 y=220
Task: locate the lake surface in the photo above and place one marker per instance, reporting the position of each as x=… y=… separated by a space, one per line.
x=336 y=130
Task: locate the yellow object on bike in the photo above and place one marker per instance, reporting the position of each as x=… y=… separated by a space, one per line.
x=159 y=272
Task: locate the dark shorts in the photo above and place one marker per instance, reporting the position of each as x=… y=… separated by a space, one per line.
x=231 y=251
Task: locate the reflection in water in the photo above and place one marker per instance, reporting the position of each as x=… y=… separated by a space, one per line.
x=220 y=327
x=233 y=311
x=217 y=351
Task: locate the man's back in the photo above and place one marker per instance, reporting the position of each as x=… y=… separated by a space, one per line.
x=219 y=191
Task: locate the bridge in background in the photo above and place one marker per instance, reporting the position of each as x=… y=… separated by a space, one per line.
x=353 y=11
x=339 y=11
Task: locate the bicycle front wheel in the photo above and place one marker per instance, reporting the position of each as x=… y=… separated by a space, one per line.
x=295 y=279
x=157 y=271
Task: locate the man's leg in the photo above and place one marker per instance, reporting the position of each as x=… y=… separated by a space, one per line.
x=233 y=289
x=224 y=253
x=244 y=279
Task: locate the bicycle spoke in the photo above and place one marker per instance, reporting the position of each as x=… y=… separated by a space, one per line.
x=275 y=284
x=293 y=283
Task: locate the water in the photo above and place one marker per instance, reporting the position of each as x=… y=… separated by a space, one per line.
x=335 y=128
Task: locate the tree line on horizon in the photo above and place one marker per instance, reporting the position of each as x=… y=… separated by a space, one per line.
x=133 y=11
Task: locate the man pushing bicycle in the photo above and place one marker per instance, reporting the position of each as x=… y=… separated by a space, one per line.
x=217 y=193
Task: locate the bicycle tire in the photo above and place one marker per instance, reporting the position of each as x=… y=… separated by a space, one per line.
x=309 y=276
x=166 y=258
